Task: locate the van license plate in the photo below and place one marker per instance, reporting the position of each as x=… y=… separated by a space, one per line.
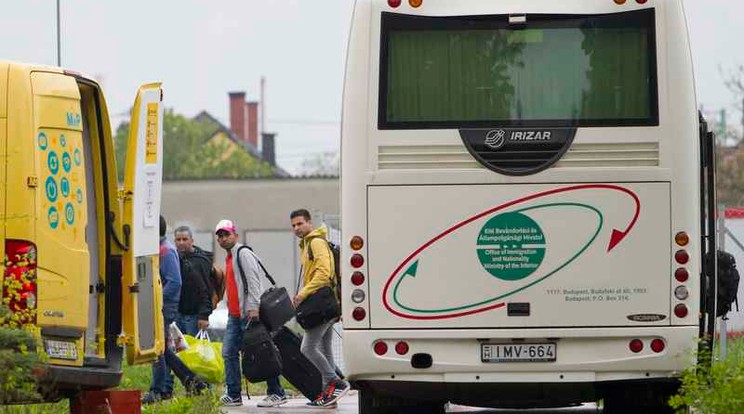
x=518 y=352
x=61 y=349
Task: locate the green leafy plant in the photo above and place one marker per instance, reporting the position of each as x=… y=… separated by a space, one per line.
x=20 y=365
x=717 y=388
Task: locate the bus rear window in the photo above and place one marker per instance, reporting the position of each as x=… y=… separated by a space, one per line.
x=480 y=71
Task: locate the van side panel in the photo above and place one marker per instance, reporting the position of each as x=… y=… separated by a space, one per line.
x=61 y=215
x=20 y=203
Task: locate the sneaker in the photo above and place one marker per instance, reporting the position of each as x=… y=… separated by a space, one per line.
x=227 y=401
x=153 y=397
x=150 y=397
x=272 y=400
x=334 y=391
x=196 y=387
x=318 y=403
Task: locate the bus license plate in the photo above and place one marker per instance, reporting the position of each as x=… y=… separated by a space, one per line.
x=518 y=352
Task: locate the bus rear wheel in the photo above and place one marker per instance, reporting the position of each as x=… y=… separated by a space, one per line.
x=376 y=403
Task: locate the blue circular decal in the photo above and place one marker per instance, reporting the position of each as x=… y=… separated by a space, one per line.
x=53 y=162
x=79 y=194
x=77 y=156
x=65 y=186
x=62 y=140
x=53 y=217
x=43 y=141
x=66 y=161
x=69 y=213
x=51 y=189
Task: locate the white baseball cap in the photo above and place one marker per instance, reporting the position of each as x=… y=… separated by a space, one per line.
x=226 y=225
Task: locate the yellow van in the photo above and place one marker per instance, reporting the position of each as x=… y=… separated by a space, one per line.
x=80 y=254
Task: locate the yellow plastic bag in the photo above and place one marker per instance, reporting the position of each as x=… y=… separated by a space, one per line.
x=204 y=357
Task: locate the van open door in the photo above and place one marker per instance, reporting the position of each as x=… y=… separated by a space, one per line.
x=142 y=316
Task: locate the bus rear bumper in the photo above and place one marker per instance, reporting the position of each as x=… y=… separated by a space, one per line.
x=509 y=395
x=582 y=355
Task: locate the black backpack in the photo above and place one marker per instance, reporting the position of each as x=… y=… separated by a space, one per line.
x=336 y=253
x=728 y=283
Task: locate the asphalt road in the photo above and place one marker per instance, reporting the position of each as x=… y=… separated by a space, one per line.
x=348 y=405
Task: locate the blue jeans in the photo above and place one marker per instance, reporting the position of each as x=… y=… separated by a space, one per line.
x=162 y=380
x=188 y=324
x=231 y=353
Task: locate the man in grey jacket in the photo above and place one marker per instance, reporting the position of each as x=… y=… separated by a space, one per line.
x=242 y=306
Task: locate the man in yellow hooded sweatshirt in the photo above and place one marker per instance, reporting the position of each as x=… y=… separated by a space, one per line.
x=317 y=273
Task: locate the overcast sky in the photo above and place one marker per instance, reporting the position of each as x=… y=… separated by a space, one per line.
x=202 y=50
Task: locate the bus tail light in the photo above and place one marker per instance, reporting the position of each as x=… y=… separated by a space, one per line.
x=681 y=292
x=658 y=345
x=619 y=1
x=356 y=243
x=357 y=278
x=380 y=348
x=19 y=282
x=641 y=1
x=394 y=3
x=681 y=275
x=636 y=346
x=358 y=296
x=682 y=239
x=681 y=257
x=415 y=3
x=359 y=314
x=357 y=261
x=680 y=310
x=401 y=348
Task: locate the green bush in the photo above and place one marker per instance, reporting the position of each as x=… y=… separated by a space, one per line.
x=718 y=389
x=20 y=365
x=138 y=377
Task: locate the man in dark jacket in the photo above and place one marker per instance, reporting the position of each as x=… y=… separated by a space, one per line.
x=162 y=381
x=195 y=305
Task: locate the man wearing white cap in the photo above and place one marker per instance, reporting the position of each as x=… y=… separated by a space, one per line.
x=241 y=307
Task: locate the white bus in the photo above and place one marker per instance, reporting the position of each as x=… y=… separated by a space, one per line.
x=524 y=197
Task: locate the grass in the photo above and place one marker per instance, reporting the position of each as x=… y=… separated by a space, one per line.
x=138 y=377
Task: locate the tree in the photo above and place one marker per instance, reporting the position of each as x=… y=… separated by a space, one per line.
x=326 y=164
x=188 y=153
x=730 y=175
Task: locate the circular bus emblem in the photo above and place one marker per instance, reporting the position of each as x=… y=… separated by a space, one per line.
x=495 y=138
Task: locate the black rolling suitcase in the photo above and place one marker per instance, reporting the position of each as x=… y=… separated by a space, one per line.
x=296 y=368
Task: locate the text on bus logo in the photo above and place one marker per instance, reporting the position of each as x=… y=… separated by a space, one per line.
x=496 y=138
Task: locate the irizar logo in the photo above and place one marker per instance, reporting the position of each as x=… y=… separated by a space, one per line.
x=530 y=136
x=496 y=138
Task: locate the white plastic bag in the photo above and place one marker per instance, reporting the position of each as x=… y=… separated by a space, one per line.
x=176 y=339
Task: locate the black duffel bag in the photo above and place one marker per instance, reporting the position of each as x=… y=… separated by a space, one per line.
x=320 y=307
x=261 y=359
x=275 y=308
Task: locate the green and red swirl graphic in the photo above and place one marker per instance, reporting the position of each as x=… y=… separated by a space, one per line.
x=511 y=246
